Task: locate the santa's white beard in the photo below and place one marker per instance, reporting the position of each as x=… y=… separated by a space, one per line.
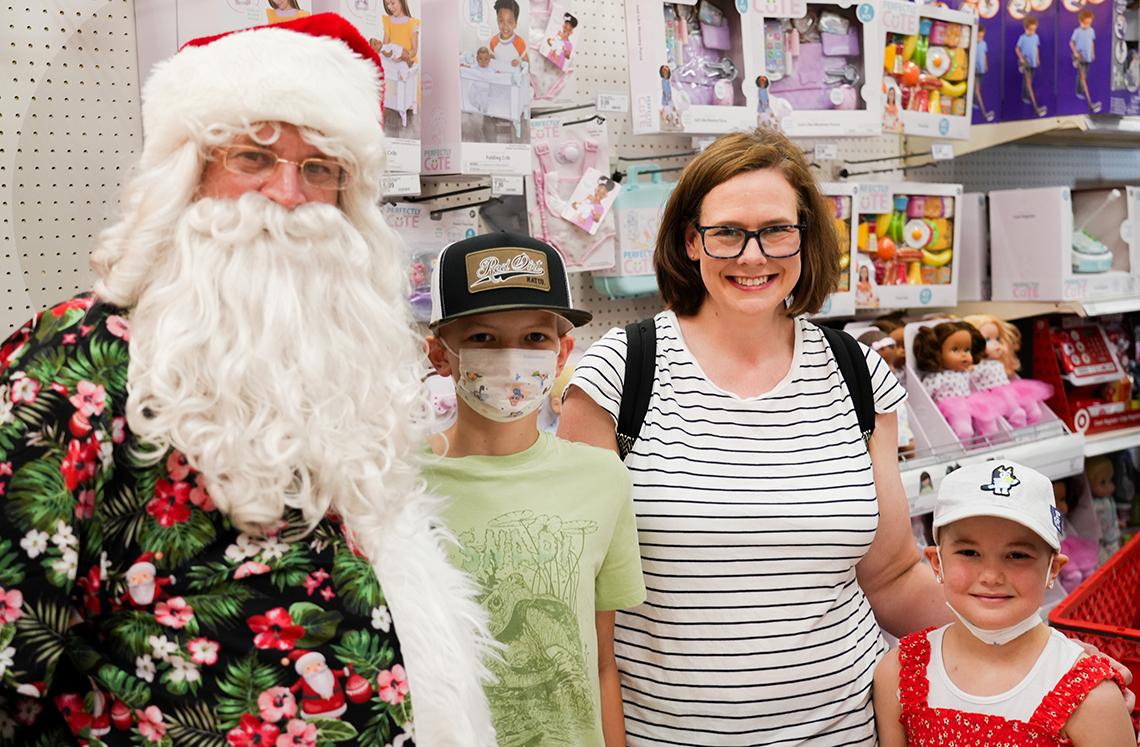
x=143 y=593
x=272 y=347
x=322 y=682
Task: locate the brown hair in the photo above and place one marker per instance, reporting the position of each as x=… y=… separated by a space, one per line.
x=679 y=277
x=928 y=344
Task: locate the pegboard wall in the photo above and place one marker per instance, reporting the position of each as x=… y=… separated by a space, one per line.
x=69 y=131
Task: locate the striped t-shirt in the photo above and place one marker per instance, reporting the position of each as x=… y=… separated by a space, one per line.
x=752 y=514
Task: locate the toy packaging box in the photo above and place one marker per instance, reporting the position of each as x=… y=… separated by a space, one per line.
x=1056 y=244
x=477 y=106
x=907 y=245
x=989 y=59
x=843 y=199
x=928 y=82
x=818 y=73
x=569 y=197
x=687 y=67
x=556 y=32
x=393 y=28
x=1031 y=52
x=1098 y=68
x=974 y=266
x=637 y=215
x=424 y=234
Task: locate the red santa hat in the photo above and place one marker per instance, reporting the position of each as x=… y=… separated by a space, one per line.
x=302 y=658
x=316 y=72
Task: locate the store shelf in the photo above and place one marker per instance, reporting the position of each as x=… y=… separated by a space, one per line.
x=1055 y=457
x=1122 y=132
x=1110 y=441
x=1011 y=310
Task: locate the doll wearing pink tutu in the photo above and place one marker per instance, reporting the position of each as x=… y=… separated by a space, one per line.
x=946 y=353
x=997 y=372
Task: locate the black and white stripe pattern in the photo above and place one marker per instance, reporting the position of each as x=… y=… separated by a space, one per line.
x=752 y=514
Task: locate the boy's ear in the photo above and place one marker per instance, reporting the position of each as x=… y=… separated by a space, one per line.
x=565 y=347
x=437 y=356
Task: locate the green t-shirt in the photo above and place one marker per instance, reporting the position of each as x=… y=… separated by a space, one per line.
x=534 y=528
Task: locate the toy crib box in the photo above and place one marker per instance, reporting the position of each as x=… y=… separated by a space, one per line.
x=817 y=68
x=477 y=108
x=638 y=218
x=398 y=39
x=687 y=66
x=929 y=69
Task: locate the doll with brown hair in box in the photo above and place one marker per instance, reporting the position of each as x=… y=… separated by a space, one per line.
x=1083 y=552
x=945 y=354
x=997 y=372
x=1099 y=473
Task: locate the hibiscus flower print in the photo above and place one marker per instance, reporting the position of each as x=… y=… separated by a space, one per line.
x=203 y=650
x=160 y=647
x=27 y=710
x=7 y=657
x=144 y=667
x=119 y=327
x=275 y=629
x=298 y=734
x=34 y=543
x=85 y=506
x=168 y=507
x=24 y=391
x=150 y=724
x=174 y=613
x=89 y=399
x=80 y=462
x=251 y=731
x=392 y=685
x=381 y=618
x=250 y=568
x=11 y=602
x=177 y=467
x=276 y=703
x=182 y=670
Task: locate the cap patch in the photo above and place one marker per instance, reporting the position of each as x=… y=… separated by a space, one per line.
x=1058 y=519
x=506 y=267
x=1002 y=480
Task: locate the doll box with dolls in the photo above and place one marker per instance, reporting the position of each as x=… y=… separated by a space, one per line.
x=907 y=245
x=928 y=65
x=687 y=67
x=818 y=73
x=1057 y=244
x=479 y=100
x=842 y=198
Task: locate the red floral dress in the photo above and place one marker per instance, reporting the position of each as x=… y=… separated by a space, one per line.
x=946 y=727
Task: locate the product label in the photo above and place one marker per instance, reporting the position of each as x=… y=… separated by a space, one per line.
x=401 y=184
x=613 y=102
x=506 y=185
x=874 y=199
x=942 y=151
x=495 y=158
x=826 y=152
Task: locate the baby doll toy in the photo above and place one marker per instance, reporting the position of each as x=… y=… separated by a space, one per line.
x=1099 y=472
x=1083 y=553
x=945 y=353
x=997 y=372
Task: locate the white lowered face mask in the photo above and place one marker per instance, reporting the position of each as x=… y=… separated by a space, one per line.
x=1001 y=636
x=505 y=384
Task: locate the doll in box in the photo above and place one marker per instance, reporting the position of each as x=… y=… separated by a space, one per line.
x=1083 y=552
x=945 y=353
x=997 y=372
x=1099 y=472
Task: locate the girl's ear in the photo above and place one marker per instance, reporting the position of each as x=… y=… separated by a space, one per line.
x=931 y=554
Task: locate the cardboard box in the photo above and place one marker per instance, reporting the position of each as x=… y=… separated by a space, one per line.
x=908 y=245
x=843 y=198
x=989 y=59
x=1098 y=70
x=1030 y=91
x=477 y=106
x=1032 y=243
x=687 y=73
x=817 y=73
x=974 y=282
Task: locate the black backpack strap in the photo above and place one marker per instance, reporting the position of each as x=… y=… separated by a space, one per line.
x=640 y=361
x=853 y=369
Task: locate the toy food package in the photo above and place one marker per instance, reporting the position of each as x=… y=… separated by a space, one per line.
x=424 y=234
x=928 y=81
x=687 y=66
x=556 y=33
x=842 y=198
x=562 y=155
x=906 y=245
x=819 y=72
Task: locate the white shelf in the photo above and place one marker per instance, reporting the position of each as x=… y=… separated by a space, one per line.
x=1011 y=310
x=1106 y=443
x=1068 y=130
x=1055 y=457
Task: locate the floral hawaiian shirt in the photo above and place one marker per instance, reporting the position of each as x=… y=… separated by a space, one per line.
x=132 y=612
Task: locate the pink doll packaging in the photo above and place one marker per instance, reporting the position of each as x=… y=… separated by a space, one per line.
x=576 y=222
x=423 y=234
x=556 y=33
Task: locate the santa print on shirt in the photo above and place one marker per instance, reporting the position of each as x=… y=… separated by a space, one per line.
x=194 y=632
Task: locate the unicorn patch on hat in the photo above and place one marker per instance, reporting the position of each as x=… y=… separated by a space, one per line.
x=1002 y=480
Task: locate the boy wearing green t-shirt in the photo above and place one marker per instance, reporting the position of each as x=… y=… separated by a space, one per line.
x=545 y=526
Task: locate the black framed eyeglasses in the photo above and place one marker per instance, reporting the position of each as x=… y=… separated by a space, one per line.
x=251 y=160
x=775 y=242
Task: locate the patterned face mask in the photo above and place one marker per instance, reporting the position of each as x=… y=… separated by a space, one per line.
x=505 y=384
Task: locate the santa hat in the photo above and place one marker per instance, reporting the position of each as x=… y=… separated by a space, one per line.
x=302 y=659
x=146 y=560
x=316 y=72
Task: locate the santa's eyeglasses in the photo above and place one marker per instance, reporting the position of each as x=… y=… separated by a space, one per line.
x=250 y=160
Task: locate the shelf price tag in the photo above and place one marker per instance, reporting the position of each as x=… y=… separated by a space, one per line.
x=401 y=184
x=942 y=151
x=826 y=152
x=613 y=102
x=506 y=184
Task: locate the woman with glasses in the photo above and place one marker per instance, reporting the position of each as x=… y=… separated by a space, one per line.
x=774 y=540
